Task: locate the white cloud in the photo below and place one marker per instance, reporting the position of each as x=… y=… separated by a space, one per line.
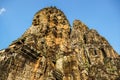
x=2 y=10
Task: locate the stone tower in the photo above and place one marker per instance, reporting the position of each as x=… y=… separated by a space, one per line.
x=51 y=50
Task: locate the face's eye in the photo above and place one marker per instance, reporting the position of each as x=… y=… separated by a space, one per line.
x=37 y=16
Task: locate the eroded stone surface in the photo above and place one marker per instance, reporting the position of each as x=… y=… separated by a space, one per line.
x=50 y=50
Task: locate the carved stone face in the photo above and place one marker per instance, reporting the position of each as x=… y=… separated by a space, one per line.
x=49 y=18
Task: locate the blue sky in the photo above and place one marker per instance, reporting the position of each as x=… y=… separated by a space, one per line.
x=103 y=15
